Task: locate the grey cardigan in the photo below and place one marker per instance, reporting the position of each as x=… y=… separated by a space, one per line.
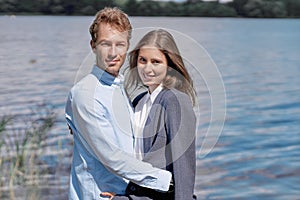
x=169 y=139
x=169 y=142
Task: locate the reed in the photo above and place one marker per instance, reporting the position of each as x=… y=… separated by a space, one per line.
x=22 y=138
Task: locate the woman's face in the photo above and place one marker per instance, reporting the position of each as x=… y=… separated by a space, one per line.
x=152 y=66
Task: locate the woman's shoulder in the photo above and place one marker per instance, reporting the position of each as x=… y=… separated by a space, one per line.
x=174 y=95
x=138 y=98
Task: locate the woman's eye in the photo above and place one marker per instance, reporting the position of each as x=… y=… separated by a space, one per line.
x=156 y=62
x=142 y=60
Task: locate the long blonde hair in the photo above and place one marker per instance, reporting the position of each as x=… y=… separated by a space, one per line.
x=178 y=77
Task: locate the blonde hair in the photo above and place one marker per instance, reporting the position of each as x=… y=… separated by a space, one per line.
x=113 y=16
x=178 y=77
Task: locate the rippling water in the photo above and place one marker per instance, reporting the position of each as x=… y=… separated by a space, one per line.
x=258 y=152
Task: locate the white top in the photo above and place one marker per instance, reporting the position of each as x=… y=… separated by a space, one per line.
x=141 y=112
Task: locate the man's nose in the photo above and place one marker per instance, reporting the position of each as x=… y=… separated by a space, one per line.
x=112 y=51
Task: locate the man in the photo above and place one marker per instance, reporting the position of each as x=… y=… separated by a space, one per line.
x=98 y=113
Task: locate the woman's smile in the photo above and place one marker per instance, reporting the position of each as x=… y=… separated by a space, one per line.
x=152 y=66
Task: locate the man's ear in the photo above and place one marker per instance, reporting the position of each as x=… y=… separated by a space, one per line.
x=93 y=45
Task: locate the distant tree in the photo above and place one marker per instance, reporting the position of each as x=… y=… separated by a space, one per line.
x=131 y=7
x=209 y=9
x=292 y=7
x=44 y=6
x=57 y=7
x=275 y=9
x=88 y=10
x=8 y=6
x=99 y=4
x=265 y=8
x=173 y=9
x=238 y=5
x=193 y=9
x=28 y=6
x=225 y=11
x=244 y=8
x=148 y=8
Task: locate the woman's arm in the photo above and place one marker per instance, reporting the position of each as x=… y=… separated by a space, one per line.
x=181 y=129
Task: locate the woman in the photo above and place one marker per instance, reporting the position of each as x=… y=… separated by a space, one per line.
x=166 y=136
x=165 y=122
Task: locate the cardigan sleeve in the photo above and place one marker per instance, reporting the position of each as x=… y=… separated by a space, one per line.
x=181 y=129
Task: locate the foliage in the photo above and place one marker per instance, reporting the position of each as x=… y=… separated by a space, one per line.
x=211 y=9
x=238 y=6
x=241 y=8
x=292 y=8
x=21 y=147
x=261 y=8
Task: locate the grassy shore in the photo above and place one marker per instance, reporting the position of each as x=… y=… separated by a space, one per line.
x=22 y=139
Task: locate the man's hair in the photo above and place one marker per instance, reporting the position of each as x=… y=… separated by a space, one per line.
x=112 y=16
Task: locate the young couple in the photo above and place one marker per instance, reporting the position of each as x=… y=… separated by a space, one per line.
x=139 y=150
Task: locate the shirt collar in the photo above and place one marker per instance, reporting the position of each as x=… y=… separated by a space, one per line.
x=106 y=78
x=154 y=94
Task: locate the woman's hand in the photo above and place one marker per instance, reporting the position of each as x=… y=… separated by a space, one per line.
x=108 y=194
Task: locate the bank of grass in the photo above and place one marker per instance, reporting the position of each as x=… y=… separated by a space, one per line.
x=21 y=141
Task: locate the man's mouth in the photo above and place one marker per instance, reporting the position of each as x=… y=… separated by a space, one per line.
x=112 y=62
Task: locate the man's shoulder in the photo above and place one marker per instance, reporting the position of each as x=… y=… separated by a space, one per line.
x=84 y=88
x=87 y=83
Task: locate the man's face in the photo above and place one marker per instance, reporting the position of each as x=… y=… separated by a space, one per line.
x=110 y=48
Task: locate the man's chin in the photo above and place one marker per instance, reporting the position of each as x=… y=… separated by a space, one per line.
x=113 y=69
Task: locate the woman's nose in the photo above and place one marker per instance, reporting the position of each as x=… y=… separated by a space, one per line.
x=148 y=67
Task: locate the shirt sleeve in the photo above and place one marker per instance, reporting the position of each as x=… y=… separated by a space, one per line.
x=98 y=136
x=181 y=129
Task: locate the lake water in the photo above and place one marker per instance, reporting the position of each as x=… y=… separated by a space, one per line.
x=257 y=155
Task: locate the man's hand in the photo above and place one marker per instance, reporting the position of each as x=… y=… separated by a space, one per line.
x=70 y=130
x=108 y=194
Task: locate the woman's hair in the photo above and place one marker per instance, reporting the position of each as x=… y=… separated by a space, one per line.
x=113 y=16
x=177 y=74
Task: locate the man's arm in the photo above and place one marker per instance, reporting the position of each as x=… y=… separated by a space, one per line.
x=97 y=134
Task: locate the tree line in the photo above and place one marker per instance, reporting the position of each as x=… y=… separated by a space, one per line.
x=195 y=8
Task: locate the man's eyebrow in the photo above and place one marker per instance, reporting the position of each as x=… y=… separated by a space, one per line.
x=104 y=40
x=110 y=41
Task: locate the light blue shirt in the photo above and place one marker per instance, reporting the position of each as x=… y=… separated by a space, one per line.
x=99 y=113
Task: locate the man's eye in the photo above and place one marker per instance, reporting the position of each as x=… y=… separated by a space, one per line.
x=105 y=44
x=121 y=45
